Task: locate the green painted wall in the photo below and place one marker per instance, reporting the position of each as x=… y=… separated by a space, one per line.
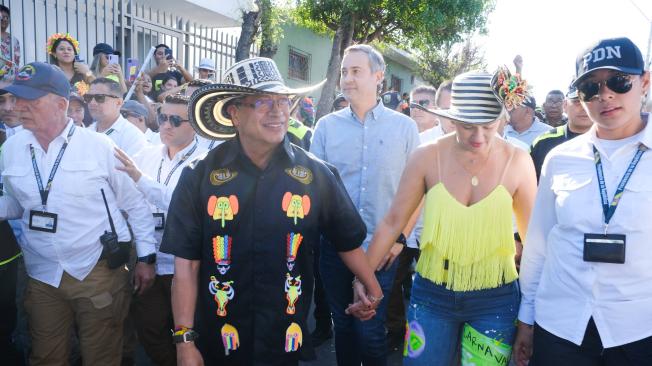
x=307 y=42
x=319 y=49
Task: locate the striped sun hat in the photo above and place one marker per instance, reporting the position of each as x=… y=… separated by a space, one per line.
x=472 y=99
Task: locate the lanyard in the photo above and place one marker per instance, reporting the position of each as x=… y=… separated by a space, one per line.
x=45 y=192
x=184 y=158
x=210 y=146
x=109 y=131
x=609 y=209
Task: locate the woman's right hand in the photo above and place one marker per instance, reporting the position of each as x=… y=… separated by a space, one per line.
x=81 y=68
x=522 y=350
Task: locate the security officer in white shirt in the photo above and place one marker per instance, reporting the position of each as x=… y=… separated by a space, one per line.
x=55 y=175
x=156 y=171
x=104 y=100
x=585 y=272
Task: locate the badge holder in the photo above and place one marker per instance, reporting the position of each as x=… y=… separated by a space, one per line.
x=159 y=219
x=604 y=248
x=43 y=221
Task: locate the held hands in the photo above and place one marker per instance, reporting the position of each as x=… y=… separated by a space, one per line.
x=129 y=166
x=364 y=304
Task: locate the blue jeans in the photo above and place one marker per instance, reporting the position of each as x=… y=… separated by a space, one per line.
x=441 y=314
x=355 y=341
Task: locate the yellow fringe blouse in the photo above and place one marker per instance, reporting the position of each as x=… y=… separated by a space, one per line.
x=467 y=248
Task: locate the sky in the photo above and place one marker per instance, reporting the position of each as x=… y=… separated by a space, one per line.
x=549 y=34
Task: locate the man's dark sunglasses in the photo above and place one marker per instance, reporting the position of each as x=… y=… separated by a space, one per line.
x=100 y=98
x=174 y=120
x=618 y=83
x=420 y=104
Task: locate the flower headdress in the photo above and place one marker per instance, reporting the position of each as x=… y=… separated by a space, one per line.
x=510 y=89
x=57 y=36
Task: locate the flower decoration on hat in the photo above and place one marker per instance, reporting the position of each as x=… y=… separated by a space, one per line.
x=509 y=88
x=81 y=88
x=61 y=36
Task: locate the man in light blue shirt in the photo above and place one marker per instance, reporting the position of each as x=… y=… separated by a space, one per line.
x=369 y=145
x=524 y=125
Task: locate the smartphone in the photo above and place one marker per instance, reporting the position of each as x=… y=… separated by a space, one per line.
x=78 y=58
x=168 y=54
x=114 y=59
x=132 y=69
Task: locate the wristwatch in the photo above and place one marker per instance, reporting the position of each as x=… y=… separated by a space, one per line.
x=148 y=259
x=185 y=335
x=401 y=239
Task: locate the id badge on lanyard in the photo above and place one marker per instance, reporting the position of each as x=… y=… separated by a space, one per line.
x=606 y=247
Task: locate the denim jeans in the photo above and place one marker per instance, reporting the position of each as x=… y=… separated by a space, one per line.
x=355 y=341
x=441 y=314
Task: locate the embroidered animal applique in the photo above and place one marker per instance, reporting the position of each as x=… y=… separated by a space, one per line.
x=223 y=208
x=292 y=292
x=222 y=252
x=230 y=338
x=296 y=207
x=222 y=292
x=292 y=248
x=293 y=338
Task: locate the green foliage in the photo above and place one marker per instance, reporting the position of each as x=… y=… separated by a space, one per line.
x=437 y=64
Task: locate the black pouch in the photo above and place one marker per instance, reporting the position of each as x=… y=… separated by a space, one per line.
x=116 y=253
x=605 y=248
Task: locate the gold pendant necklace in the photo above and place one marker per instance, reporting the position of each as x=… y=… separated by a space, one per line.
x=474 y=176
x=474 y=181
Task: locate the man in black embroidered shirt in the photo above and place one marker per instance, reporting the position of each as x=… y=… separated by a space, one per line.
x=243 y=223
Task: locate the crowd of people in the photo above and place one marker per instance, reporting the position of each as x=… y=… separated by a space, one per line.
x=202 y=218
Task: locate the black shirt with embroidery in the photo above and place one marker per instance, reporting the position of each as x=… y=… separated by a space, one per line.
x=254 y=232
x=542 y=145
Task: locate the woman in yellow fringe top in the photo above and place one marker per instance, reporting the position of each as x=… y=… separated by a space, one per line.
x=465 y=296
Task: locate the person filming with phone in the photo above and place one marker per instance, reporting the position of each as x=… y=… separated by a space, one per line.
x=166 y=65
x=106 y=64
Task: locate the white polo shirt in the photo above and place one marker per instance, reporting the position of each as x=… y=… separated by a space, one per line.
x=127 y=136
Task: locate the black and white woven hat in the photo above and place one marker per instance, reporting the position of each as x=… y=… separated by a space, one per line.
x=472 y=99
x=253 y=76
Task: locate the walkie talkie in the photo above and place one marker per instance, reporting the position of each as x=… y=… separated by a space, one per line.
x=115 y=255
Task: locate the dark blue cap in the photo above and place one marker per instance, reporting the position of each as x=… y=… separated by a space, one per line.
x=104 y=48
x=391 y=99
x=619 y=54
x=38 y=79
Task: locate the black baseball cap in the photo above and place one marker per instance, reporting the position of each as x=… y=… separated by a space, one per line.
x=530 y=102
x=38 y=79
x=619 y=54
x=104 y=48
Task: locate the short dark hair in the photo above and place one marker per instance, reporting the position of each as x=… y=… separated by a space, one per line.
x=177 y=99
x=446 y=85
x=4 y=9
x=113 y=86
x=161 y=45
x=169 y=77
x=424 y=89
x=556 y=91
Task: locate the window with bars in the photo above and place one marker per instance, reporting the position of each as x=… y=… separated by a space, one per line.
x=299 y=65
x=396 y=84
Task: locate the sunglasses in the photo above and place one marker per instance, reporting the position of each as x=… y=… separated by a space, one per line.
x=264 y=105
x=174 y=120
x=618 y=83
x=100 y=98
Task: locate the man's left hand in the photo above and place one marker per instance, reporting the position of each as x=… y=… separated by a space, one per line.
x=144 y=275
x=390 y=257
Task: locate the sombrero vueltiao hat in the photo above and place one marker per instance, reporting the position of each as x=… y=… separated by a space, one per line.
x=479 y=97
x=252 y=76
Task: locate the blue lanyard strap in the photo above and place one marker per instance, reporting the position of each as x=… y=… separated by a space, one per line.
x=610 y=209
x=184 y=158
x=109 y=131
x=45 y=192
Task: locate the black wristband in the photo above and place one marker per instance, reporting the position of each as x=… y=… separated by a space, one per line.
x=148 y=259
x=402 y=239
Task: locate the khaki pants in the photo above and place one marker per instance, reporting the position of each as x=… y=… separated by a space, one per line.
x=97 y=305
x=152 y=313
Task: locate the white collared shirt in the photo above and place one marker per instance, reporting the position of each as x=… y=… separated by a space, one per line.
x=431 y=134
x=208 y=144
x=528 y=136
x=88 y=165
x=154 y=138
x=127 y=136
x=561 y=291
x=158 y=195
